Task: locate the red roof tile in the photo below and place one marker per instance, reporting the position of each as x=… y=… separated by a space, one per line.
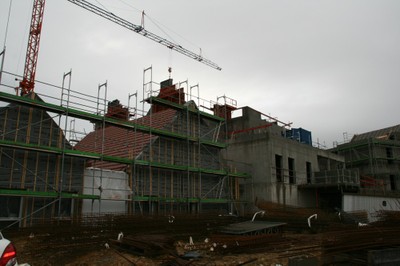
x=121 y=142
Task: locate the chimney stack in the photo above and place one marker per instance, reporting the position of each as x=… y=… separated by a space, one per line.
x=117 y=111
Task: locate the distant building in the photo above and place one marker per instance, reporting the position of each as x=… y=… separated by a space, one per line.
x=375 y=156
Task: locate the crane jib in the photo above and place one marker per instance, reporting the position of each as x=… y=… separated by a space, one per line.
x=140 y=30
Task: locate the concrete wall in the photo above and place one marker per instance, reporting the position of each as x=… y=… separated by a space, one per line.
x=259 y=146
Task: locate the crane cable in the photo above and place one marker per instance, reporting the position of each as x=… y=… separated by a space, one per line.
x=2 y=53
x=158 y=24
x=102 y=6
x=8 y=21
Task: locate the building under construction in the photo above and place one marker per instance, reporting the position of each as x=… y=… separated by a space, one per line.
x=171 y=158
x=30 y=178
x=175 y=153
x=167 y=160
x=375 y=156
x=285 y=166
x=182 y=155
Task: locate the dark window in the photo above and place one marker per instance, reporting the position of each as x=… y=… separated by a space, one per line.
x=392 y=182
x=9 y=206
x=66 y=207
x=292 y=175
x=308 y=172
x=389 y=155
x=278 y=167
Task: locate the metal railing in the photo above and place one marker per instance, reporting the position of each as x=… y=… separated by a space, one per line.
x=336 y=177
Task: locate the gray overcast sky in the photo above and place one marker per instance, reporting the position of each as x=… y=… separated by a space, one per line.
x=327 y=66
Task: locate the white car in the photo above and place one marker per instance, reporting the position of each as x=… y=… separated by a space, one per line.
x=8 y=254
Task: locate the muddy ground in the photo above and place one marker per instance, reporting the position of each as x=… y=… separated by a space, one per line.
x=188 y=240
x=197 y=240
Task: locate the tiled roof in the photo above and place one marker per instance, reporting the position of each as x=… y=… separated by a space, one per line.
x=121 y=142
x=383 y=133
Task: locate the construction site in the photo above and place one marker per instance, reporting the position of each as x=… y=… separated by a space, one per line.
x=164 y=177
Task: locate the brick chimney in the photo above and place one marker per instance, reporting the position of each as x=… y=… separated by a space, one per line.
x=224 y=111
x=169 y=92
x=117 y=111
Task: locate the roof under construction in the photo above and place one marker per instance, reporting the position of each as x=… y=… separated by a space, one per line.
x=382 y=134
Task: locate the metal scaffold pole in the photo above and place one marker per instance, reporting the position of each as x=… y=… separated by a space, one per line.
x=198 y=134
x=104 y=85
x=132 y=146
x=60 y=187
x=189 y=188
x=148 y=88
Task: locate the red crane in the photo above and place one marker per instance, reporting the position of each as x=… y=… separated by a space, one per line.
x=28 y=81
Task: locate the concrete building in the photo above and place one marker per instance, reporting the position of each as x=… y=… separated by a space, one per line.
x=284 y=166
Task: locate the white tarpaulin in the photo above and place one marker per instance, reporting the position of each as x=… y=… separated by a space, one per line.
x=112 y=186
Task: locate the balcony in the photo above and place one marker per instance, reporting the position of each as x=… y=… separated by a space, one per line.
x=339 y=178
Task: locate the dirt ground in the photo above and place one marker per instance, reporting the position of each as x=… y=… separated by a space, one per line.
x=108 y=257
x=111 y=256
x=93 y=245
x=198 y=240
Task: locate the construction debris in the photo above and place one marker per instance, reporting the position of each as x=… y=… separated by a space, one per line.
x=145 y=245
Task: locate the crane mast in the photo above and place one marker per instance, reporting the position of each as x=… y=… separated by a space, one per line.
x=140 y=30
x=28 y=81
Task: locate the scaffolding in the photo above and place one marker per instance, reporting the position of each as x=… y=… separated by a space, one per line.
x=172 y=163
x=377 y=160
